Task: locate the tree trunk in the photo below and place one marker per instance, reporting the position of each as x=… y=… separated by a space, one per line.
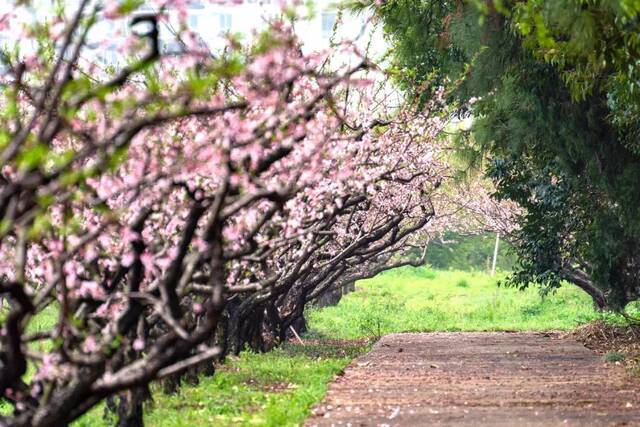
x=171 y=384
x=129 y=406
x=584 y=282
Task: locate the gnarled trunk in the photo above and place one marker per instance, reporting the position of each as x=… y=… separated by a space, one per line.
x=584 y=282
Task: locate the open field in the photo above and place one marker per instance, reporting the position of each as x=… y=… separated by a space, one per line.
x=423 y=300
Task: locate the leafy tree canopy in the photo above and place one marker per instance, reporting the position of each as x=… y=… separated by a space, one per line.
x=552 y=87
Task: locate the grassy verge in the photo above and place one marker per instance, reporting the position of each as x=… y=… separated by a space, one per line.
x=273 y=389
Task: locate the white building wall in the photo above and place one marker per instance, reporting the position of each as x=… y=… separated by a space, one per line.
x=211 y=21
x=316 y=31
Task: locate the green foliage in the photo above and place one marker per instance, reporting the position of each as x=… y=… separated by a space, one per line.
x=555 y=113
x=33 y=156
x=462 y=283
x=128 y=6
x=419 y=60
x=402 y=301
x=469 y=253
x=594 y=46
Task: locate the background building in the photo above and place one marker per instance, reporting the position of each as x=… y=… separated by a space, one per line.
x=212 y=21
x=316 y=26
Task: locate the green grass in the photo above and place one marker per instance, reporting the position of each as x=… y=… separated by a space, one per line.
x=272 y=389
x=421 y=300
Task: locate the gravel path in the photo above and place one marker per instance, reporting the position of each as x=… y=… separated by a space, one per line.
x=480 y=379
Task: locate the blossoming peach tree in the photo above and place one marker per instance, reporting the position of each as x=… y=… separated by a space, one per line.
x=180 y=204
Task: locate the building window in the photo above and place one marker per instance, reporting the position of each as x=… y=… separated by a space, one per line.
x=328 y=22
x=193 y=22
x=224 y=22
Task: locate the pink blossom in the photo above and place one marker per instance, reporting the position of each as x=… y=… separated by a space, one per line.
x=197 y=308
x=111 y=9
x=148 y=262
x=128 y=258
x=138 y=344
x=91 y=289
x=90 y=344
x=130 y=236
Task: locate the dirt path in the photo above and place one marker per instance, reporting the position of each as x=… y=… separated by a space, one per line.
x=481 y=379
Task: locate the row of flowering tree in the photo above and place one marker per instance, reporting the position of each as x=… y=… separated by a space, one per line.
x=182 y=205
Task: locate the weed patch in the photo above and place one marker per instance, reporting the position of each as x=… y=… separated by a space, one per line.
x=613 y=356
x=462 y=283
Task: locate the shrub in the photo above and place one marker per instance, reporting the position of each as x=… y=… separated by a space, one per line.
x=613 y=356
x=462 y=283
